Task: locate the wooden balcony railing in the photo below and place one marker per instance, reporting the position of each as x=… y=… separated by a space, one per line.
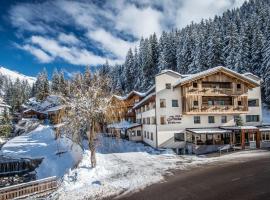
x=214 y=91
x=217 y=109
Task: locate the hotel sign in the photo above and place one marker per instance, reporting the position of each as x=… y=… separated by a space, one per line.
x=174 y=119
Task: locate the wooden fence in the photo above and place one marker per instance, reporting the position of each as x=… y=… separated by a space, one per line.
x=38 y=188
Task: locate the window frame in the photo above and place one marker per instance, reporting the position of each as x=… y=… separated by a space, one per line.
x=162 y=103
x=210 y=121
x=173 y=101
x=197 y=122
x=224 y=117
x=168 y=86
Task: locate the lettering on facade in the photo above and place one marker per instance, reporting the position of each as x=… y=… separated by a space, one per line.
x=174 y=119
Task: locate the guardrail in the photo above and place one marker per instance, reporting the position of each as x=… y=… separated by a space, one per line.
x=38 y=188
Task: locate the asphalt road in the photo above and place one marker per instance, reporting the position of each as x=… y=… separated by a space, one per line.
x=249 y=180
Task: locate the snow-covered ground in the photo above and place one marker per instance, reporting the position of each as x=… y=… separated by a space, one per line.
x=266 y=114
x=124 y=166
x=59 y=155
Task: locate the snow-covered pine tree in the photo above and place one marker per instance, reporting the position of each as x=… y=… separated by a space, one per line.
x=55 y=86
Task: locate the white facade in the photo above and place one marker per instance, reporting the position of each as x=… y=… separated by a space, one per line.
x=167 y=108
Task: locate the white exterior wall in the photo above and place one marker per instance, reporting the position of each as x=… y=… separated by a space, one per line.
x=164 y=134
x=151 y=128
x=135 y=137
x=254 y=94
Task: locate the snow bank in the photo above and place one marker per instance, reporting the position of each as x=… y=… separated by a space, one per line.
x=59 y=155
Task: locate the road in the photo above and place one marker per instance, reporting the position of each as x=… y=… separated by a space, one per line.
x=249 y=180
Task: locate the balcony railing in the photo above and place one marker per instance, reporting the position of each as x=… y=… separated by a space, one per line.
x=217 y=109
x=213 y=91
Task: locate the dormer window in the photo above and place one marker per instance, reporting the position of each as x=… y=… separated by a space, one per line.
x=168 y=86
x=195 y=85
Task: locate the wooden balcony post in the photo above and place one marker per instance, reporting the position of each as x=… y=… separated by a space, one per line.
x=243 y=139
x=258 y=139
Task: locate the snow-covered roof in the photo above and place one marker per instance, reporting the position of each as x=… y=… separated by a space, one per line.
x=141 y=94
x=144 y=100
x=208 y=130
x=239 y=127
x=134 y=125
x=252 y=76
x=211 y=71
x=122 y=125
x=50 y=104
x=170 y=71
x=55 y=108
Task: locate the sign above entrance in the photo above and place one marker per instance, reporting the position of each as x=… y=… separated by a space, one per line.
x=174 y=119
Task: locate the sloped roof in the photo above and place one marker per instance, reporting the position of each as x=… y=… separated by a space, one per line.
x=170 y=71
x=212 y=71
x=144 y=100
x=141 y=94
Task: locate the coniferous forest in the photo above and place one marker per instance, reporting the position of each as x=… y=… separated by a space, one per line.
x=238 y=39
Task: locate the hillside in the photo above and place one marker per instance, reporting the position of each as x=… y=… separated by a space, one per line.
x=13 y=75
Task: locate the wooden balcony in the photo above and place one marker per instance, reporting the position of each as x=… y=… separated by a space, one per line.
x=217 y=109
x=214 y=92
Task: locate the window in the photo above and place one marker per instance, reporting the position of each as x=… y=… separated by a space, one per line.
x=195 y=103
x=139 y=133
x=239 y=103
x=211 y=119
x=195 y=85
x=223 y=119
x=168 y=86
x=266 y=136
x=252 y=118
x=253 y=102
x=197 y=119
x=174 y=103
x=210 y=103
x=151 y=136
x=162 y=120
x=179 y=137
x=147 y=135
x=238 y=86
x=148 y=120
x=144 y=122
x=162 y=103
x=144 y=134
x=153 y=120
x=133 y=133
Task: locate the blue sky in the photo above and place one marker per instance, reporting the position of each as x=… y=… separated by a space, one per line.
x=69 y=35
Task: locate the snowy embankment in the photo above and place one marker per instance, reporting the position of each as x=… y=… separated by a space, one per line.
x=58 y=155
x=124 y=166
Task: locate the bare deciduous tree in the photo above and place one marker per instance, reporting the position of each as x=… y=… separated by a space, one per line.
x=87 y=109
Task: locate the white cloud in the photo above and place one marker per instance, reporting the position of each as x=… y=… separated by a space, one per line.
x=196 y=10
x=38 y=53
x=111 y=43
x=139 y=22
x=73 y=55
x=68 y=38
x=101 y=28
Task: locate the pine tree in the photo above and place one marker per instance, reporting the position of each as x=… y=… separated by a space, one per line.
x=55 y=86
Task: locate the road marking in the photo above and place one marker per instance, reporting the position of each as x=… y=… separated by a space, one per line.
x=235 y=179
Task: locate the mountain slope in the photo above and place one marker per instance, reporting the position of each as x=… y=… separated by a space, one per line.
x=13 y=75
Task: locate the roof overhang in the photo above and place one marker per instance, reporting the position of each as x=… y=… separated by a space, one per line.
x=208 y=130
x=252 y=83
